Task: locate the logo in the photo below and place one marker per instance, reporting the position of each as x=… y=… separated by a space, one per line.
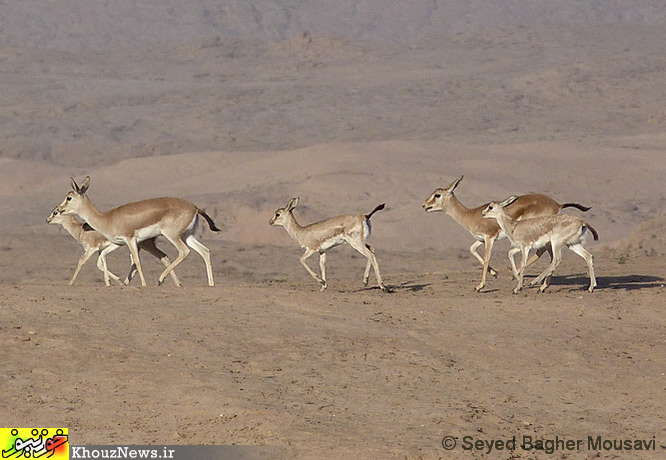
x=49 y=443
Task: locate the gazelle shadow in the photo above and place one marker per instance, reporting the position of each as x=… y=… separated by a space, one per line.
x=410 y=286
x=624 y=282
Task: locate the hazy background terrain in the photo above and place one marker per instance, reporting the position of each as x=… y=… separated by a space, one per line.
x=240 y=105
x=347 y=103
x=98 y=81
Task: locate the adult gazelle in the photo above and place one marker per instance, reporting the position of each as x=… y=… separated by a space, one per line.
x=485 y=231
x=174 y=218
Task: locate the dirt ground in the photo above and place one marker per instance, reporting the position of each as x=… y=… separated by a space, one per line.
x=263 y=358
x=238 y=106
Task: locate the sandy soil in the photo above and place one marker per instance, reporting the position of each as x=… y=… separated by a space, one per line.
x=238 y=108
x=264 y=358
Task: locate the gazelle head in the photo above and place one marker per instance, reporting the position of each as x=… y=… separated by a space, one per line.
x=495 y=209
x=281 y=214
x=436 y=201
x=55 y=217
x=74 y=199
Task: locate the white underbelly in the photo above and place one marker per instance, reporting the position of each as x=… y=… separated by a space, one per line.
x=147 y=232
x=541 y=241
x=331 y=243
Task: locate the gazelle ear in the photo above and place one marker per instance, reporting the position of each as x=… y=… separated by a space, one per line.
x=84 y=185
x=508 y=201
x=292 y=203
x=453 y=185
x=75 y=186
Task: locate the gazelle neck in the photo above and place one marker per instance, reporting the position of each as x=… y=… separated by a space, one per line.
x=292 y=226
x=454 y=208
x=506 y=223
x=73 y=227
x=88 y=212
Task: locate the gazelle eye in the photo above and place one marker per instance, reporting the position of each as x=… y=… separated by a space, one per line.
x=69 y=198
x=438 y=195
x=277 y=214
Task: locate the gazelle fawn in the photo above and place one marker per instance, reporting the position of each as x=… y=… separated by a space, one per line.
x=326 y=234
x=487 y=231
x=556 y=230
x=129 y=224
x=94 y=242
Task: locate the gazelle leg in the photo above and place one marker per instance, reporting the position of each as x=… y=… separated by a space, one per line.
x=521 y=273
x=548 y=272
x=150 y=246
x=473 y=249
x=322 y=269
x=308 y=252
x=512 y=253
x=204 y=252
x=183 y=251
x=84 y=258
x=134 y=252
x=589 y=259
x=368 y=264
x=102 y=265
x=489 y=241
x=360 y=246
x=131 y=274
x=539 y=252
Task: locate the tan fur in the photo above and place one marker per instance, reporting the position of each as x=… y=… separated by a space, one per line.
x=487 y=231
x=556 y=231
x=93 y=241
x=132 y=223
x=326 y=234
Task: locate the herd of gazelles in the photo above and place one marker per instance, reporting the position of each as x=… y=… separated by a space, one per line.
x=531 y=222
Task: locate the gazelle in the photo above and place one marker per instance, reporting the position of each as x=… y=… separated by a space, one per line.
x=326 y=234
x=557 y=230
x=486 y=231
x=94 y=242
x=131 y=223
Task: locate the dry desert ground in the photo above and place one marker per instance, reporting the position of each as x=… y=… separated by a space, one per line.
x=238 y=127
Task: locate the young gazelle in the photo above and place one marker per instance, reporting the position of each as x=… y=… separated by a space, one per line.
x=132 y=223
x=557 y=230
x=326 y=234
x=94 y=242
x=487 y=231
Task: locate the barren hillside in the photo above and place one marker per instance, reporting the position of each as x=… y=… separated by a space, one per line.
x=97 y=82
